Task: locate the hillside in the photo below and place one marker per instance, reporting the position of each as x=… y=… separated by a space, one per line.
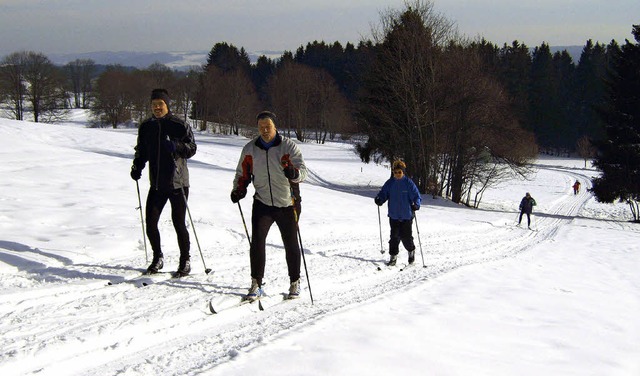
x=485 y=298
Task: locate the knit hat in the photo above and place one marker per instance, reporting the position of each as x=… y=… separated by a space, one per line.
x=399 y=165
x=160 y=94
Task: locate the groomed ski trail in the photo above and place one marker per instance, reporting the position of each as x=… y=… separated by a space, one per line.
x=129 y=324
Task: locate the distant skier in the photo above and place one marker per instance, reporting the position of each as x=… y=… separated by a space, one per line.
x=275 y=166
x=404 y=198
x=576 y=187
x=166 y=142
x=526 y=207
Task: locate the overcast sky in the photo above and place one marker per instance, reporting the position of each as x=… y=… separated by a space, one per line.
x=73 y=26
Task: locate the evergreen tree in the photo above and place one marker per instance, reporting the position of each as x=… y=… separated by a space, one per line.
x=515 y=74
x=564 y=73
x=227 y=57
x=543 y=101
x=590 y=90
x=619 y=153
x=260 y=73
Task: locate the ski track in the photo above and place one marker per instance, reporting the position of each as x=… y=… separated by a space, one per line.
x=136 y=341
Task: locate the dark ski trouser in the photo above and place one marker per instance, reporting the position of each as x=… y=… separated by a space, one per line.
x=528 y=218
x=401 y=231
x=156 y=201
x=262 y=217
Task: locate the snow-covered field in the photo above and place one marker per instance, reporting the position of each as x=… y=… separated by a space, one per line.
x=491 y=299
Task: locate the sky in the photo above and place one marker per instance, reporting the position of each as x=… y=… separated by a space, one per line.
x=76 y=26
x=484 y=297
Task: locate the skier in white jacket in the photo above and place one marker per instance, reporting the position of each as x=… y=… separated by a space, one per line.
x=275 y=166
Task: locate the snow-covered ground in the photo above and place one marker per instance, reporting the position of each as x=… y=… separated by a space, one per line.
x=485 y=298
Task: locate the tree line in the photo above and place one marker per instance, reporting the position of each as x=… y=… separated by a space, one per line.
x=463 y=113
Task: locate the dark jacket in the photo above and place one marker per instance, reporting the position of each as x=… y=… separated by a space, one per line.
x=527 y=204
x=167 y=170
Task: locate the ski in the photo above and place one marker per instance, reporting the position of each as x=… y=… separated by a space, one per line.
x=270 y=301
x=125 y=279
x=143 y=279
x=236 y=304
x=382 y=266
x=405 y=266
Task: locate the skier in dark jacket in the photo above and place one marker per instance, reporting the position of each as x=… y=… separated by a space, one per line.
x=576 y=187
x=166 y=142
x=526 y=207
x=404 y=198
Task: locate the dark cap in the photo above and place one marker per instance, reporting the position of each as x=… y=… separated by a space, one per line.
x=160 y=94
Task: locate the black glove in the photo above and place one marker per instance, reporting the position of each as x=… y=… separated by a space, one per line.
x=135 y=173
x=378 y=201
x=291 y=172
x=238 y=194
x=169 y=145
x=415 y=207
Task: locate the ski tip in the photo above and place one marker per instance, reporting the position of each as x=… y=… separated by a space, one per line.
x=207 y=271
x=379 y=268
x=109 y=283
x=260 y=307
x=211 y=309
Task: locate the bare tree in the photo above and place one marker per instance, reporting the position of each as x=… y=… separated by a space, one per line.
x=290 y=90
x=185 y=92
x=308 y=102
x=227 y=98
x=331 y=113
x=12 y=83
x=585 y=149
x=114 y=96
x=45 y=88
x=80 y=73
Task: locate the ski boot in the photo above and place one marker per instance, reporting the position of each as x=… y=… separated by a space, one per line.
x=294 y=289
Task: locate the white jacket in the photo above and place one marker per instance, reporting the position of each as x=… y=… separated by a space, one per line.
x=264 y=167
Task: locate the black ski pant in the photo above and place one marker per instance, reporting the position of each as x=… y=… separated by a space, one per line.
x=401 y=231
x=262 y=217
x=528 y=218
x=156 y=201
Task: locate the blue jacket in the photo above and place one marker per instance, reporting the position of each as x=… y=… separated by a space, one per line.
x=400 y=193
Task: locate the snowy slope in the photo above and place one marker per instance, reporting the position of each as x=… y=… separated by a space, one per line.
x=489 y=299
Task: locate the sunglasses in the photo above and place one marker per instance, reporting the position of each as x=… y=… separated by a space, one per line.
x=398 y=172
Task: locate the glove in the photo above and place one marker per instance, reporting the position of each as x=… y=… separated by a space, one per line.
x=238 y=194
x=135 y=173
x=169 y=145
x=291 y=172
x=378 y=201
x=415 y=207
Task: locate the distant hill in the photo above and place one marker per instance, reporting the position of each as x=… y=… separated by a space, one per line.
x=174 y=60
x=574 y=51
x=184 y=60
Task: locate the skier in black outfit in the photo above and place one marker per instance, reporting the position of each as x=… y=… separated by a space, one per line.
x=166 y=142
x=526 y=207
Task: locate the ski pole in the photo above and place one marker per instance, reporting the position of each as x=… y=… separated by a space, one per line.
x=419 y=241
x=144 y=234
x=245 y=224
x=304 y=261
x=380 y=226
x=206 y=270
